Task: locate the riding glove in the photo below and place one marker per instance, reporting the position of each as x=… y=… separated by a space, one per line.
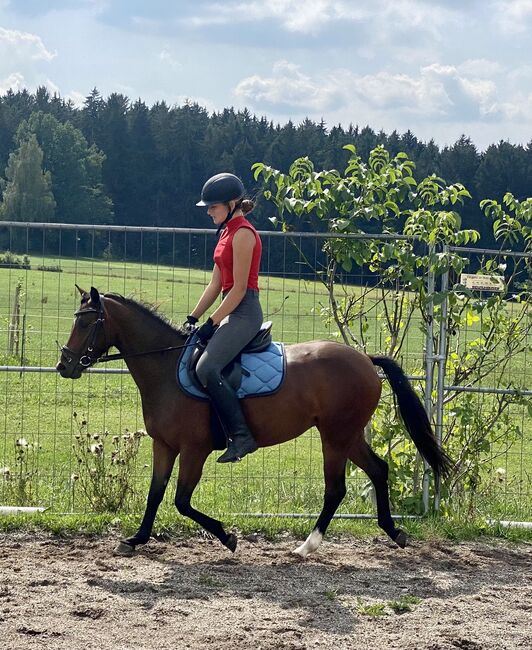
x=190 y=324
x=205 y=332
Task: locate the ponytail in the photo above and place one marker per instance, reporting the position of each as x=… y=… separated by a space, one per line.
x=246 y=205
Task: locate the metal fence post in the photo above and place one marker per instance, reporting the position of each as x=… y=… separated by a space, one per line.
x=442 y=363
x=429 y=373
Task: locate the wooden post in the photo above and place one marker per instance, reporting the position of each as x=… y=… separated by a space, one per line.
x=13 y=335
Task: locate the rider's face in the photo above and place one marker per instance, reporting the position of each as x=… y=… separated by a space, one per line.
x=218 y=212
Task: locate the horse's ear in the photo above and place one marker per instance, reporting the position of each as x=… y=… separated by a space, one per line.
x=95 y=296
x=82 y=291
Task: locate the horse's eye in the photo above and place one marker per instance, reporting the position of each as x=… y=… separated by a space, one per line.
x=83 y=321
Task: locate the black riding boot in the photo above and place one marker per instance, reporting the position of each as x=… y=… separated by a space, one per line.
x=226 y=404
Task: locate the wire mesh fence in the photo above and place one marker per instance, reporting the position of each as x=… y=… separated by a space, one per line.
x=46 y=421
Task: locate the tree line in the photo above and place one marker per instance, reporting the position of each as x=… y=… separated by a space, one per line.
x=119 y=161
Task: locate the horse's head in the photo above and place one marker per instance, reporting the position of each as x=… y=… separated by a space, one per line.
x=87 y=340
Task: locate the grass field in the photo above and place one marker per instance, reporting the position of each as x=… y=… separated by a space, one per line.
x=39 y=407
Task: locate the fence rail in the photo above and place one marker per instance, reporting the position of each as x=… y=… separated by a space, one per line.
x=171 y=266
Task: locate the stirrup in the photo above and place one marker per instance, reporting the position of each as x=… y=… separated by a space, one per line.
x=233 y=454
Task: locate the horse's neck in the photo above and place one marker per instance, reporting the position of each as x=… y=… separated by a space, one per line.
x=136 y=332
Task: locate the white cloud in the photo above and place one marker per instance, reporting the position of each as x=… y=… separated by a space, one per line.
x=77 y=98
x=293 y=15
x=207 y=104
x=312 y=16
x=288 y=87
x=167 y=57
x=23 y=45
x=437 y=92
x=14 y=82
x=17 y=81
x=23 y=59
x=480 y=68
x=513 y=16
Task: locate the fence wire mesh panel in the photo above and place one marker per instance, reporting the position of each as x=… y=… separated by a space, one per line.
x=487 y=399
x=63 y=442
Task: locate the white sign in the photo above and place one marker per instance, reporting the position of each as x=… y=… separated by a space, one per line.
x=483 y=282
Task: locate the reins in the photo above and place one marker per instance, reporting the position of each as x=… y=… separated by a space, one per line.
x=119 y=355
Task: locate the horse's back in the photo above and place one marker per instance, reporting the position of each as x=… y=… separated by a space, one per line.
x=332 y=357
x=327 y=384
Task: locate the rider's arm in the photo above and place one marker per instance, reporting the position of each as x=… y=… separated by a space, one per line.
x=243 y=244
x=209 y=295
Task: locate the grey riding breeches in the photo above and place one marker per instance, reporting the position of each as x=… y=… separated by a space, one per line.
x=234 y=333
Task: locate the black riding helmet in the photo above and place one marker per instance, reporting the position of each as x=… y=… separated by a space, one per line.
x=221 y=188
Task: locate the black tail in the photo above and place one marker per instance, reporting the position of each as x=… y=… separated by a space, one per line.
x=414 y=416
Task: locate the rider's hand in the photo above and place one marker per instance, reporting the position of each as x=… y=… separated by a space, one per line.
x=190 y=324
x=205 y=332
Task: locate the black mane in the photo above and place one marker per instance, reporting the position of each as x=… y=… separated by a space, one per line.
x=147 y=309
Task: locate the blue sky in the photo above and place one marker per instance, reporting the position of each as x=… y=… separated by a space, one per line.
x=438 y=68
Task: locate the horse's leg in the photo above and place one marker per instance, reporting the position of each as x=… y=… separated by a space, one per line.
x=334 y=462
x=377 y=470
x=190 y=469
x=163 y=463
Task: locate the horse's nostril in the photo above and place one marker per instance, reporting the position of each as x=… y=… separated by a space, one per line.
x=60 y=367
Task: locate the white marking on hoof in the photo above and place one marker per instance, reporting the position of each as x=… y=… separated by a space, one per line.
x=310 y=545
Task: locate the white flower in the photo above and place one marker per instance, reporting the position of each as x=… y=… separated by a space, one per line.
x=21 y=442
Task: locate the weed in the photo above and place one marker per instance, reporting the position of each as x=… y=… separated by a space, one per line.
x=19 y=479
x=404 y=604
x=105 y=466
x=373 y=609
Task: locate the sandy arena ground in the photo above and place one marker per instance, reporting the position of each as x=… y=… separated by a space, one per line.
x=193 y=593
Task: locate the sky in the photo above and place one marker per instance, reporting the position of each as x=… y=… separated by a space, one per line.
x=440 y=69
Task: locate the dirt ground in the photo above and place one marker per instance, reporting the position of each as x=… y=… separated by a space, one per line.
x=193 y=593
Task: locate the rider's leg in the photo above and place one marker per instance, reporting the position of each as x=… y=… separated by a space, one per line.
x=234 y=333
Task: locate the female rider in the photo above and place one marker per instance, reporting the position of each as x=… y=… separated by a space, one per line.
x=238 y=318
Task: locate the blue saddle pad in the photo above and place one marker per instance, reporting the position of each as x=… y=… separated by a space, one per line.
x=262 y=372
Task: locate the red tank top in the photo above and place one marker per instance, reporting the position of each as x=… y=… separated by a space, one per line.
x=223 y=254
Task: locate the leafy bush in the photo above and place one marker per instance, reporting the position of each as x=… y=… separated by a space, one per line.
x=9 y=260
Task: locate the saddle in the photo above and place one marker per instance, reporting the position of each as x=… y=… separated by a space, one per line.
x=257 y=370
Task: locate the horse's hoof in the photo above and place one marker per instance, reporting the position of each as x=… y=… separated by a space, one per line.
x=231 y=542
x=125 y=550
x=401 y=539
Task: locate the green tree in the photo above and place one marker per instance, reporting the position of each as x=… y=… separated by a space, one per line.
x=75 y=169
x=27 y=194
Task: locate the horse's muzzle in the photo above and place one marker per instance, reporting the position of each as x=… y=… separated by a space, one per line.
x=69 y=370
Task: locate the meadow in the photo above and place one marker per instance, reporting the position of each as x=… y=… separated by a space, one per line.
x=38 y=407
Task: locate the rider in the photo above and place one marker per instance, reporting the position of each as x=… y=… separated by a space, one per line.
x=238 y=318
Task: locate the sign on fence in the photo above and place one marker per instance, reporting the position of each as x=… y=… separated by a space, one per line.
x=482 y=282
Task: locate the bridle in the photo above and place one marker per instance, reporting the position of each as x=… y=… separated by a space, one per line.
x=88 y=358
